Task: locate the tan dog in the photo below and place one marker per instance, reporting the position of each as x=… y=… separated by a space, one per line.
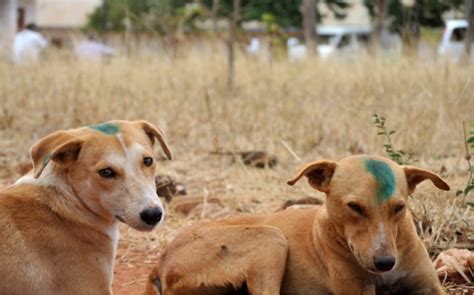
x=362 y=241
x=59 y=226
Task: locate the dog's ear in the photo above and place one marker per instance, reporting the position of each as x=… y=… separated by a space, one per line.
x=61 y=147
x=416 y=175
x=319 y=174
x=154 y=132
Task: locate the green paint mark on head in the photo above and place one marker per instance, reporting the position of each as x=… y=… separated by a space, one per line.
x=383 y=176
x=106 y=128
x=44 y=162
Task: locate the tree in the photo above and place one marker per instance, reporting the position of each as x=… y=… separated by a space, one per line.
x=429 y=13
x=162 y=16
x=214 y=9
x=287 y=13
x=308 y=10
x=470 y=30
x=406 y=20
x=234 y=21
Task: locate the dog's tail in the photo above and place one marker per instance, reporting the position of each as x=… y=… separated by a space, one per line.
x=153 y=286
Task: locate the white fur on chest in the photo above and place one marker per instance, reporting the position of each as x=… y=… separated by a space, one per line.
x=114 y=234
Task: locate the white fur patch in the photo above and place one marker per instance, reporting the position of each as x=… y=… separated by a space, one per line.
x=379 y=239
x=129 y=162
x=114 y=234
x=47 y=179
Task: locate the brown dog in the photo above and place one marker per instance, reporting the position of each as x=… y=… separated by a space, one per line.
x=59 y=226
x=362 y=241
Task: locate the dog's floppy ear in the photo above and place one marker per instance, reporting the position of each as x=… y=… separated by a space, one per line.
x=319 y=174
x=416 y=175
x=154 y=132
x=61 y=147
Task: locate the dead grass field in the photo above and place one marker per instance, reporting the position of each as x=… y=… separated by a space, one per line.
x=319 y=109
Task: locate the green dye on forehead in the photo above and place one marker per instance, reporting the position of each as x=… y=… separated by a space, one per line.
x=45 y=162
x=106 y=128
x=384 y=177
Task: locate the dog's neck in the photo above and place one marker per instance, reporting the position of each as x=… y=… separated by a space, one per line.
x=326 y=235
x=62 y=199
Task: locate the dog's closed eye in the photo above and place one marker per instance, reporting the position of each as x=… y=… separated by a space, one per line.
x=399 y=208
x=356 y=208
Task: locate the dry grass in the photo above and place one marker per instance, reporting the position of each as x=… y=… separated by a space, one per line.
x=319 y=109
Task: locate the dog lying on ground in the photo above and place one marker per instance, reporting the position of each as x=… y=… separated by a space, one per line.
x=59 y=226
x=361 y=241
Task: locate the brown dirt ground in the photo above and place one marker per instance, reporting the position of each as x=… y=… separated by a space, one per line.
x=131 y=270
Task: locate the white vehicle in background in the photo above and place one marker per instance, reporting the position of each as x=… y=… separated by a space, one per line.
x=346 y=40
x=452 y=45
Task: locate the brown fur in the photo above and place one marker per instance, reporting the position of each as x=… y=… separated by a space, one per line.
x=58 y=227
x=329 y=249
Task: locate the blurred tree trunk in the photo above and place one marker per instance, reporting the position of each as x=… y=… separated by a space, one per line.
x=470 y=30
x=410 y=32
x=381 y=10
x=308 y=11
x=231 y=43
x=128 y=30
x=215 y=9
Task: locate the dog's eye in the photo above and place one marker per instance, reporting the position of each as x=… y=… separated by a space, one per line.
x=107 y=173
x=148 y=161
x=356 y=208
x=399 y=208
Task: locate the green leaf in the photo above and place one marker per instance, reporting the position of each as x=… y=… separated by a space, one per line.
x=470 y=140
x=459 y=192
x=392 y=132
x=470 y=204
x=380 y=133
x=468 y=189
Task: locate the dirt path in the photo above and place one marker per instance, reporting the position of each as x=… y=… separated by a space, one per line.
x=132 y=267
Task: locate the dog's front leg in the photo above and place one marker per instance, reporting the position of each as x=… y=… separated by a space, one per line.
x=348 y=287
x=343 y=282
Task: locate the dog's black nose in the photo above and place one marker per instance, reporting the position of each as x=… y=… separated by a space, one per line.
x=384 y=263
x=151 y=216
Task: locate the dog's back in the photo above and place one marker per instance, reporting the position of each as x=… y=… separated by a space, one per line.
x=292 y=224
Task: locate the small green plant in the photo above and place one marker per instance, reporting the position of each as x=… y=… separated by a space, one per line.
x=469 y=146
x=399 y=156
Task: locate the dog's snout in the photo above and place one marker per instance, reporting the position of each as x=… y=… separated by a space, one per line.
x=151 y=216
x=384 y=263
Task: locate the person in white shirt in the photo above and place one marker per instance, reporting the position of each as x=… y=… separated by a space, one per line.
x=254 y=46
x=28 y=45
x=92 y=50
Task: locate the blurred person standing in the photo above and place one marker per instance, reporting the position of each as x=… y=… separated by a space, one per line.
x=92 y=50
x=28 y=45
